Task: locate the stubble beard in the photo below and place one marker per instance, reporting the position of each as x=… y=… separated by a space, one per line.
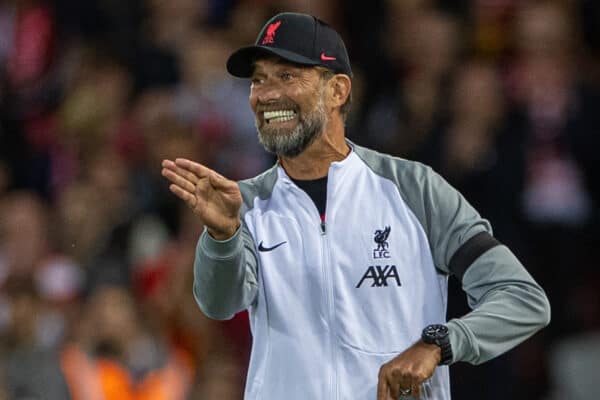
x=290 y=143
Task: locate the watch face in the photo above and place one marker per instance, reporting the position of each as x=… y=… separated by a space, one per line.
x=436 y=331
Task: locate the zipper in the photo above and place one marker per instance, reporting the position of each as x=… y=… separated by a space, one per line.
x=328 y=292
x=328 y=287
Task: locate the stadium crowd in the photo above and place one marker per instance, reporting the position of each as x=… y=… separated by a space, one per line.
x=499 y=96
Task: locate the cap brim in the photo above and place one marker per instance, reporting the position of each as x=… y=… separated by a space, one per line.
x=241 y=62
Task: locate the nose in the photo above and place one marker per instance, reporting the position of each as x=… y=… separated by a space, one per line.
x=266 y=92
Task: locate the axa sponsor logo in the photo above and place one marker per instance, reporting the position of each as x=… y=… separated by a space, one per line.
x=381 y=237
x=380 y=276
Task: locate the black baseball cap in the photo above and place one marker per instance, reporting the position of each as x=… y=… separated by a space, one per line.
x=298 y=38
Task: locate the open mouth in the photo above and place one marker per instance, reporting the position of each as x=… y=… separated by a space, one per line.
x=279 y=116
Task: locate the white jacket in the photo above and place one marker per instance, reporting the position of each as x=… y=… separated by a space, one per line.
x=331 y=302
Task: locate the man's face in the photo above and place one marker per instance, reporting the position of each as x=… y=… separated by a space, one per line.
x=289 y=105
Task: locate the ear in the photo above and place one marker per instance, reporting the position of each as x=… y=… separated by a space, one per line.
x=340 y=89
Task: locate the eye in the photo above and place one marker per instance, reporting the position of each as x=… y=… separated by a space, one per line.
x=256 y=81
x=286 y=76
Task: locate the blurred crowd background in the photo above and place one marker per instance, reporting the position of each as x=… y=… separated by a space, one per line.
x=499 y=96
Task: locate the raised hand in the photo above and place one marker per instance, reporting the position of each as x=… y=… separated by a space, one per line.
x=214 y=198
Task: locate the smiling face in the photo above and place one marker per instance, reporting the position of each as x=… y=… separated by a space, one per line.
x=289 y=105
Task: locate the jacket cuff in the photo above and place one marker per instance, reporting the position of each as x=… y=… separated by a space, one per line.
x=461 y=340
x=220 y=249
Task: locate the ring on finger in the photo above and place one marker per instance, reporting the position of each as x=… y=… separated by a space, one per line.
x=405 y=392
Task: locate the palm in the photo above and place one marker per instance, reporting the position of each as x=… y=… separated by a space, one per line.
x=216 y=205
x=214 y=198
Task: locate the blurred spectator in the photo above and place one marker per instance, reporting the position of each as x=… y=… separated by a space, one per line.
x=84 y=125
x=405 y=117
x=111 y=25
x=477 y=110
x=28 y=253
x=82 y=232
x=29 y=370
x=220 y=379
x=116 y=356
x=93 y=238
x=492 y=24
x=24 y=235
x=475 y=147
x=161 y=14
x=97 y=362
x=244 y=21
x=30 y=53
x=150 y=132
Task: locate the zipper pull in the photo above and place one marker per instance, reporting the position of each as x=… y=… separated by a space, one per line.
x=323 y=226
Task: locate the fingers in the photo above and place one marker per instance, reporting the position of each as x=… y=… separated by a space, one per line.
x=394 y=384
x=170 y=165
x=179 y=180
x=383 y=388
x=184 y=195
x=416 y=391
x=408 y=386
x=406 y=373
x=186 y=174
x=179 y=176
x=400 y=383
x=197 y=169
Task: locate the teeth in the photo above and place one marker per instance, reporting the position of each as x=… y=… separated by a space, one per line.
x=280 y=119
x=284 y=115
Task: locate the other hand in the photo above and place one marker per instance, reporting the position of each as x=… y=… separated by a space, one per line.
x=404 y=374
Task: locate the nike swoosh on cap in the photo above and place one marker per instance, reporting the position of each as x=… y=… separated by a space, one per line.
x=326 y=58
x=263 y=248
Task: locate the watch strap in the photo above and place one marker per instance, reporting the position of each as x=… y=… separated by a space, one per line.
x=439 y=335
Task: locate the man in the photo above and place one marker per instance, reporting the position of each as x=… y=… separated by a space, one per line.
x=341 y=254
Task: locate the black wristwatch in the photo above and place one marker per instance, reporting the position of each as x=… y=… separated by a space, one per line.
x=438 y=334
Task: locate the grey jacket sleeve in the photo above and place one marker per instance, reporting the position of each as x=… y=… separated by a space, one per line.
x=225 y=274
x=508 y=306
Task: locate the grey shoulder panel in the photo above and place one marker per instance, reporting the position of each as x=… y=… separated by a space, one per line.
x=448 y=220
x=260 y=186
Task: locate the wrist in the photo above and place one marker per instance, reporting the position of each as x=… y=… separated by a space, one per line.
x=433 y=349
x=223 y=234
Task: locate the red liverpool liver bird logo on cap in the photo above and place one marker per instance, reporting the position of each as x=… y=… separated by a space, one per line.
x=270 y=35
